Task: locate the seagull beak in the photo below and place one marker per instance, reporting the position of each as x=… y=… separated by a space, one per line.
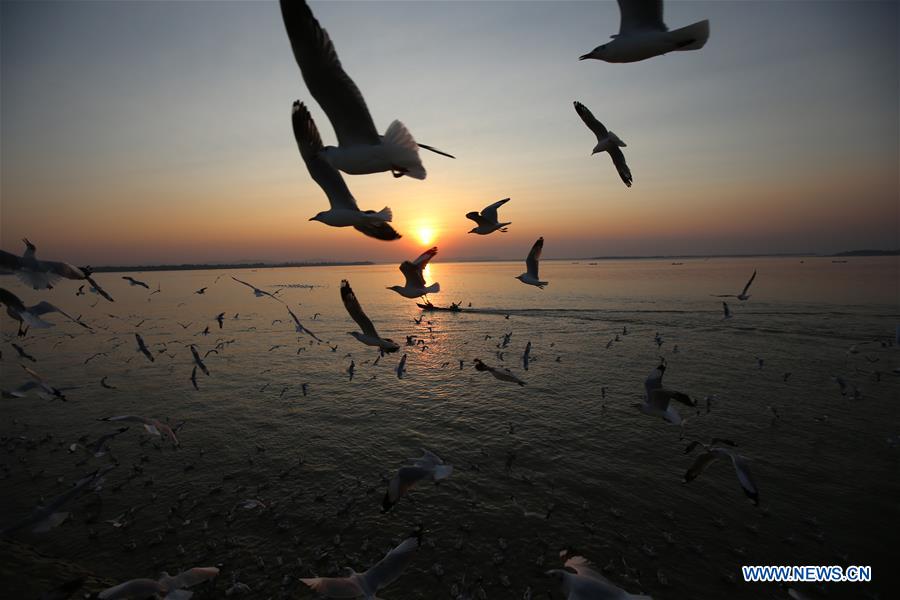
x=584 y=56
x=312 y=218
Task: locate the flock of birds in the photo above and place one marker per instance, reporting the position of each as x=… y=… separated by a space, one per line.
x=361 y=150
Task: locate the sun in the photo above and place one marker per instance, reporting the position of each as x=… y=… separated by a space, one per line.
x=425 y=235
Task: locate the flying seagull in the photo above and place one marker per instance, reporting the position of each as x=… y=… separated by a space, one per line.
x=153 y=426
x=368 y=336
x=587 y=584
x=256 y=291
x=344 y=211
x=30 y=316
x=743 y=295
x=199 y=361
x=300 y=327
x=726 y=311
x=530 y=276
x=714 y=451
x=428 y=466
x=142 y=347
x=415 y=281
x=657 y=398
x=488 y=221
x=607 y=141
x=643 y=34
x=45 y=390
x=501 y=374
x=360 y=149
x=133 y=282
x=369 y=583
x=165 y=587
x=43 y=274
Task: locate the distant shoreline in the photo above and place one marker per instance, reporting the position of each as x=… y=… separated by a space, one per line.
x=363 y=263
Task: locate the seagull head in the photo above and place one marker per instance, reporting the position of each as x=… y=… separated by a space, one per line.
x=319 y=217
x=595 y=53
x=396 y=288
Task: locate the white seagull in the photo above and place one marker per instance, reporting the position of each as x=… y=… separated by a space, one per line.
x=369 y=336
x=367 y=584
x=581 y=582
x=30 y=316
x=607 y=141
x=501 y=374
x=166 y=587
x=656 y=400
x=344 y=211
x=643 y=34
x=488 y=221
x=415 y=281
x=530 y=276
x=713 y=452
x=135 y=282
x=360 y=149
x=256 y=291
x=152 y=426
x=43 y=274
x=428 y=466
x=743 y=295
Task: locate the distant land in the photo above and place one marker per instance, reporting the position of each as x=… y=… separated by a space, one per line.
x=265 y=265
x=215 y=266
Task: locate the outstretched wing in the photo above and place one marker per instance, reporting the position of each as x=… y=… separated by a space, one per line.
x=747 y=287
x=45 y=307
x=700 y=464
x=412 y=270
x=742 y=469
x=325 y=77
x=380 y=231
x=391 y=566
x=334 y=587
x=9 y=261
x=355 y=310
x=641 y=15
x=310 y=144
x=62 y=269
x=592 y=123
x=534 y=257
x=477 y=218
x=300 y=326
x=490 y=212
x=621 y=166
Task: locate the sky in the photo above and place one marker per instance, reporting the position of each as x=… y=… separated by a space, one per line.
x=159 y=132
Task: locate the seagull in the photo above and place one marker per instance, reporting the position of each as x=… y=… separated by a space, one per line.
x=166 y=586
x=142 y=347
x=488 y=221
x=587 y=584
x=344 y=211
x=21 y=352
x=656 y=402
x=526 y=356
x=530 y=276
x=132 y=281
x=44 y=518
x=45 y=389
x=153 y=426
x=360 y=149
x=743 y=295
x=713 y=451
x=415 y=281
x=299 y=326
x=30 y=316
x=220 y=318
x=369 y=583
x=256 y=291
x=198 y=361
x=194 y=378
x=501 y=374
x=607 y=141
x=100 y=446
x=369 y=336
x=726 y=310
x=643 y=34
x=39 y=274
x=201 y=291
x=428 y=466
x=401 y=367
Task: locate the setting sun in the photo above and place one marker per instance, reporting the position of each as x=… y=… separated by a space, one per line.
x=426 y=235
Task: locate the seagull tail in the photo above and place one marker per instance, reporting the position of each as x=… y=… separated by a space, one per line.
x=692 y=37
x=404 y=151
x=385 y=214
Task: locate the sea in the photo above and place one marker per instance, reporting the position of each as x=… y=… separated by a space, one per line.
x=804 y=379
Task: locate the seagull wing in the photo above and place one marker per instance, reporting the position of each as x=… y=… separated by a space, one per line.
x=355 y=310
x=747 y=287
x=654 y=380
x=700 y=464
x=490 y=212
x=9 y=261
x=593 y=124
x=478 y=218
x=325 y=77
x=412 y=270
x=391 y=566
x=99 y=289
x=199 y=361
x=641 y=15
x=189 y=578
x=534 y=258
x=661 y=397
x=310 y=144
x=61 y=269
x=615 y=153
x=334 y=587
x=742 y=470
x=45 y=307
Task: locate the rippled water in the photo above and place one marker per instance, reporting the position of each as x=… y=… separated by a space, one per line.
x=828 y=476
